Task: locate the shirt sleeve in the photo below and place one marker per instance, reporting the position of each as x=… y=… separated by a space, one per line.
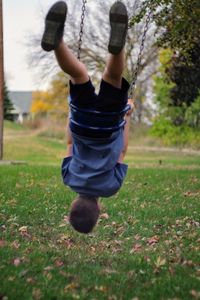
x=120 y=172
x=65 y=166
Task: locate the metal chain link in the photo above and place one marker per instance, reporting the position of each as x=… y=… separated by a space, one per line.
x=81 y=28
x=135 y=75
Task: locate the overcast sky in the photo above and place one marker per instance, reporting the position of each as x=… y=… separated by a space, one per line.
x=21 y=18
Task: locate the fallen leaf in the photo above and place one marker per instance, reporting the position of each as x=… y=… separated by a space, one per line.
x=93 y=249
x=24 y=231
x=59 y=263
x=191 y=194
x=109 y=271
x=101 y=288
x=63 y=238
x=160 y=262
x=16 y=262
x=31 y=280
x=136 y=248
x=137 y=237
x=153 y=240
x=11 y=278
x=3 y=227
x=15 y=245
x=36 y=293
x=2 y=243
x=71 y=286
x=66 y=219
x=48 y=268
x=195 y=294
x=104 y=216
x=147 y=259
x=18 y=185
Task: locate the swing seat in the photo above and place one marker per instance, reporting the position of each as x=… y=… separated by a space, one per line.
x=97 y=121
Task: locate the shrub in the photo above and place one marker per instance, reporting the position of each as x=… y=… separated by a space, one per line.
x=172 y=135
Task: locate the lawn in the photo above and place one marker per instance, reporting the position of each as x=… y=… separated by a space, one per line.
x=145 y=246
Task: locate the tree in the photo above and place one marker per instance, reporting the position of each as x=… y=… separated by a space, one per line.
x=8 y=106
x=178 y=28
x=186 y=77
x=177 y=20
x=53 y=101
x=175 y=123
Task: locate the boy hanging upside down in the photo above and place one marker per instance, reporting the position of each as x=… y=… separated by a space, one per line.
x=93 y=166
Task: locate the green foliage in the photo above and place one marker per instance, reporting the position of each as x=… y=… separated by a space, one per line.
x=170 y=134
x=8 y=106
x=192 y=115
x=162 y=84
x=176 y=124
x=179 y=18
x=162 y=93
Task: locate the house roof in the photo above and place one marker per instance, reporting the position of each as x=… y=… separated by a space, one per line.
x=21 y=100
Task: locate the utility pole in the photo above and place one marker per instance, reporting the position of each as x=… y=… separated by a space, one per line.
x=1 y=81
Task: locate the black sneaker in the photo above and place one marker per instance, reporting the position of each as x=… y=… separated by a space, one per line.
x=119 y=26
x=54 y=26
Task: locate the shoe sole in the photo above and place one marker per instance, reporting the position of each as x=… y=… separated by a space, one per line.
x=119 y=26
x=54 y=22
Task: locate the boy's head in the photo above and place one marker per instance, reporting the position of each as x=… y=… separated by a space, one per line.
x=84 y=213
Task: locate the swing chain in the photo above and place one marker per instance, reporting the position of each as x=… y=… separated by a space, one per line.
x=81 y=28
x=135 y=75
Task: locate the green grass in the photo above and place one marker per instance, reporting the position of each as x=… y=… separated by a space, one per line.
x=145 y=246
x=21 y=144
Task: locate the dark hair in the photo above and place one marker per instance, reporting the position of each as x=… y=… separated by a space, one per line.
x=84 y=213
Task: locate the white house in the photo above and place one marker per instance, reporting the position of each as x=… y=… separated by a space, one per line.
x=21 y=101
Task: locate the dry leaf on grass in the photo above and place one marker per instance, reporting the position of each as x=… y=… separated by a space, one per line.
x=104 y=216
x=17 y=261
x=136 y=248
x=153 y=240
x=2 y=243
x=160 y=262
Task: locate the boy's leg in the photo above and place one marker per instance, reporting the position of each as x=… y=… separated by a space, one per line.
x=119 y=25
x=114 y=69
x=70 y=64
x=113 y=93
x=53 y=40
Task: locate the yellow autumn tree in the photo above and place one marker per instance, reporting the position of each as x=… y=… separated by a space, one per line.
x=52 y=102
x=41 y=103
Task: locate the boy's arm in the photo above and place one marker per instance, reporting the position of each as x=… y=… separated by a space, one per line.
x=126 y=130
x=69 y=140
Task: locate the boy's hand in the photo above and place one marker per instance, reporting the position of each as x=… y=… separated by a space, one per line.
x=132 y=104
